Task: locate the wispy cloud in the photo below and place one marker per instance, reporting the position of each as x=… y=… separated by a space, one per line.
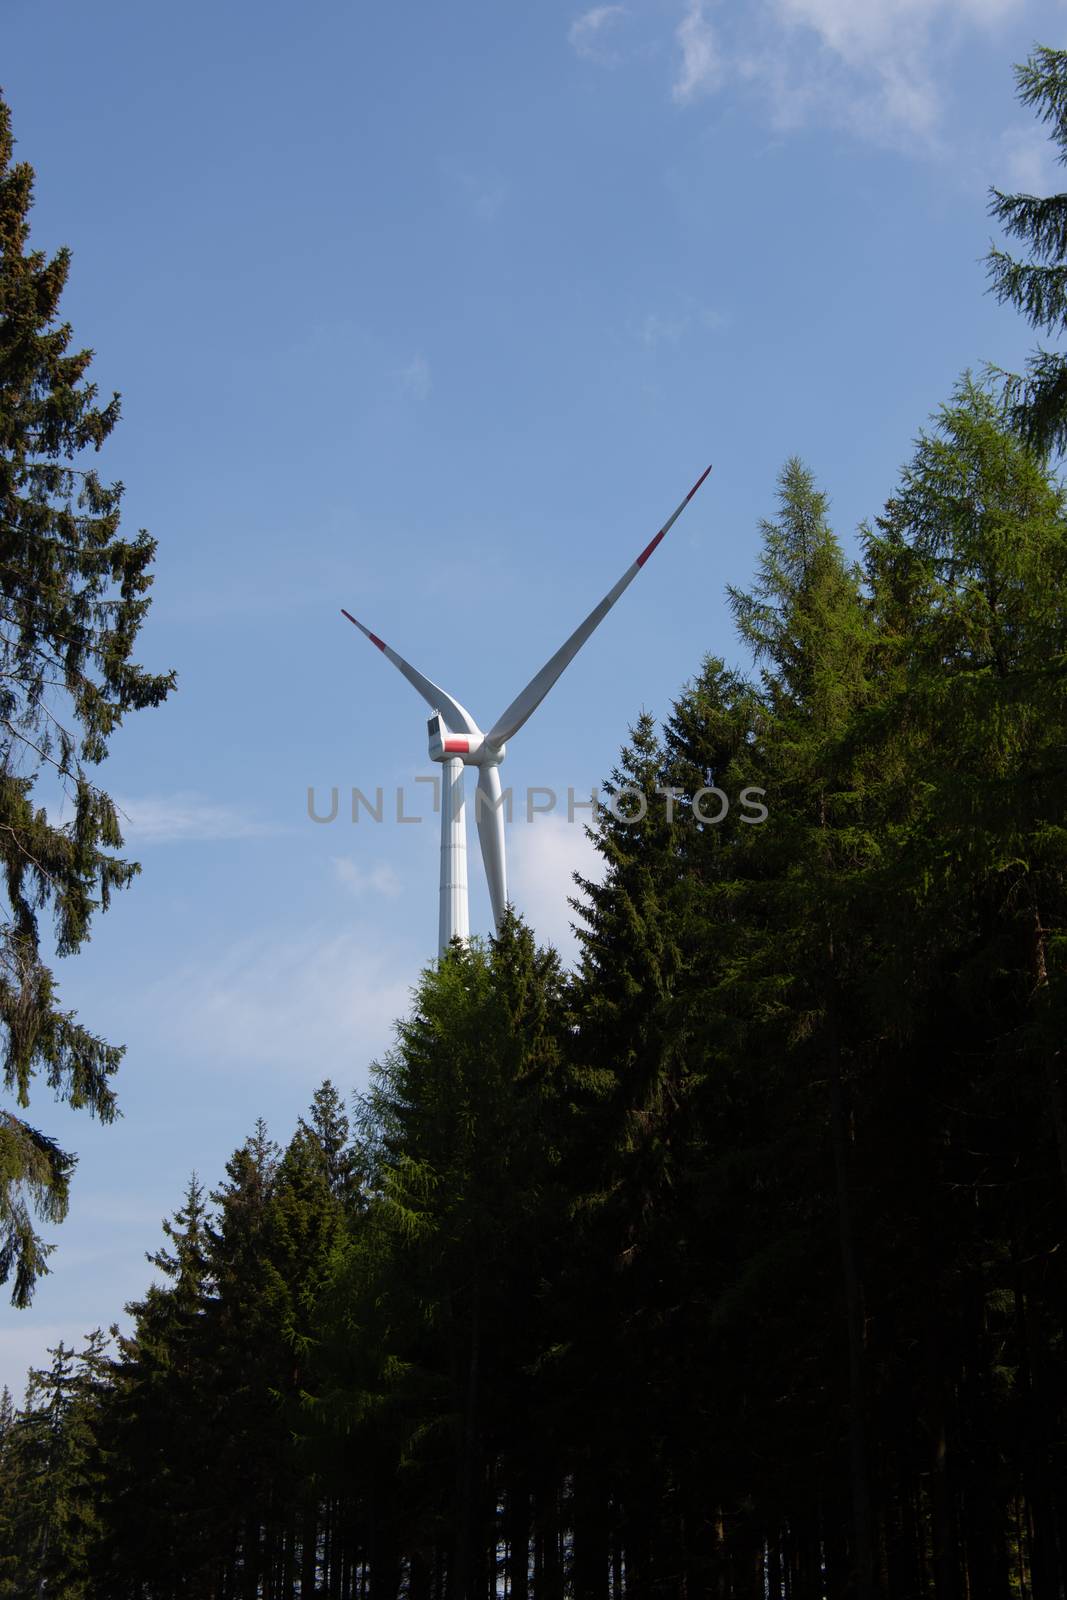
x=701 y=67
x=859 y=34
x=590 y=34
x=379 y=879
x=872 y=67
x=181 y=818
x=1025 y=163
x=286 y=1001
x=543 y=857
x=414 y=377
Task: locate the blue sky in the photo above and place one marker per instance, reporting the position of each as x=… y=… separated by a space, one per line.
x=435 y=313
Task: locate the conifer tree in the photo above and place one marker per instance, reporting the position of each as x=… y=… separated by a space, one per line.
x=50 y=1470
x=10 y=1497
x=73 y=595
x=446 y=1268
x=969 y=568
x=974 y=546
x=730 y=1267
x=158 y=1429
x=329 y=1131
x=1037 y=286
x=806 y=624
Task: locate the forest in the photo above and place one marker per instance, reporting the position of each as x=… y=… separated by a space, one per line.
x=728 y=1265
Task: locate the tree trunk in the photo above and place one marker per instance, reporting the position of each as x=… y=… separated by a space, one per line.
x=548 y=1580
x=941 y=1499
x=420 y=1578
x=1045 y=1565
x=859 y=1467
x=701 y=1537
x=309 y=1529
x=464 y=1563
x=518 y=1534
x=591 y=1536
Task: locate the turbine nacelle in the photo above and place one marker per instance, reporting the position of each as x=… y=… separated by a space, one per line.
x=470 y=747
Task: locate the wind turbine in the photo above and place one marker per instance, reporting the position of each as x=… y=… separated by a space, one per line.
x=456 y=741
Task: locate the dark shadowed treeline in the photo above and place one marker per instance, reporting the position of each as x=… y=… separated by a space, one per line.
x=730 y=1266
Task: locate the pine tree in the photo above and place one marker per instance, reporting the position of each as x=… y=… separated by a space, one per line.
x=216 y=1469
x=10 y=1495
x=969 y=569
x=314 y=1197
x=50 y=1469
x=807 y=623
x=1037 y=287
x=329 y=1129
x=969 y=566
x=783 y=968
x=72 y=599
x=443 y=1272
x=159 y=1425
x=730 y=1266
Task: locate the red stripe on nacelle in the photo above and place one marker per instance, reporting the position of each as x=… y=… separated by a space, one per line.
x=459 y=746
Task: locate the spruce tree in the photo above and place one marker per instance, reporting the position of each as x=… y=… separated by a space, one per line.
x=50 y=1470
x=73 y=595
x=807 y=626
x=1038 y=287
x=784 y=969
x=159 y=1428
x=10 y=1494
x=444 y=1271
x=968 y=568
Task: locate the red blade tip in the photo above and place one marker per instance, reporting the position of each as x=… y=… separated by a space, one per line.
x=373 y=637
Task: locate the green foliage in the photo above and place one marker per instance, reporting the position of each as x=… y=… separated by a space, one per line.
x=734 y=1252
x=728 y=1264
x=1038 y=287
x=73 y=595
x=50 y=1479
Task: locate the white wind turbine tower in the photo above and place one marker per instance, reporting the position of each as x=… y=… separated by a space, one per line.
x=456 y=742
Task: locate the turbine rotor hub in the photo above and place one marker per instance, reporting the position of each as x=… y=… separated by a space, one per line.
x=470 y=748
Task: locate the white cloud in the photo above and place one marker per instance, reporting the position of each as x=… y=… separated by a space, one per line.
x=588 y=34
x=874 y=64
x=379 y=879
x=859 y=34
x=414 y=378
x=871 y=66
x=178 y=818
x=701 y=69
x=283 y=1001
x=1026 y=163
x=542 y=858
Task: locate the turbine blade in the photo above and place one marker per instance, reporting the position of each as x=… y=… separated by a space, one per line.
x=459 y=720
x=526 y=703
x=490 y=820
